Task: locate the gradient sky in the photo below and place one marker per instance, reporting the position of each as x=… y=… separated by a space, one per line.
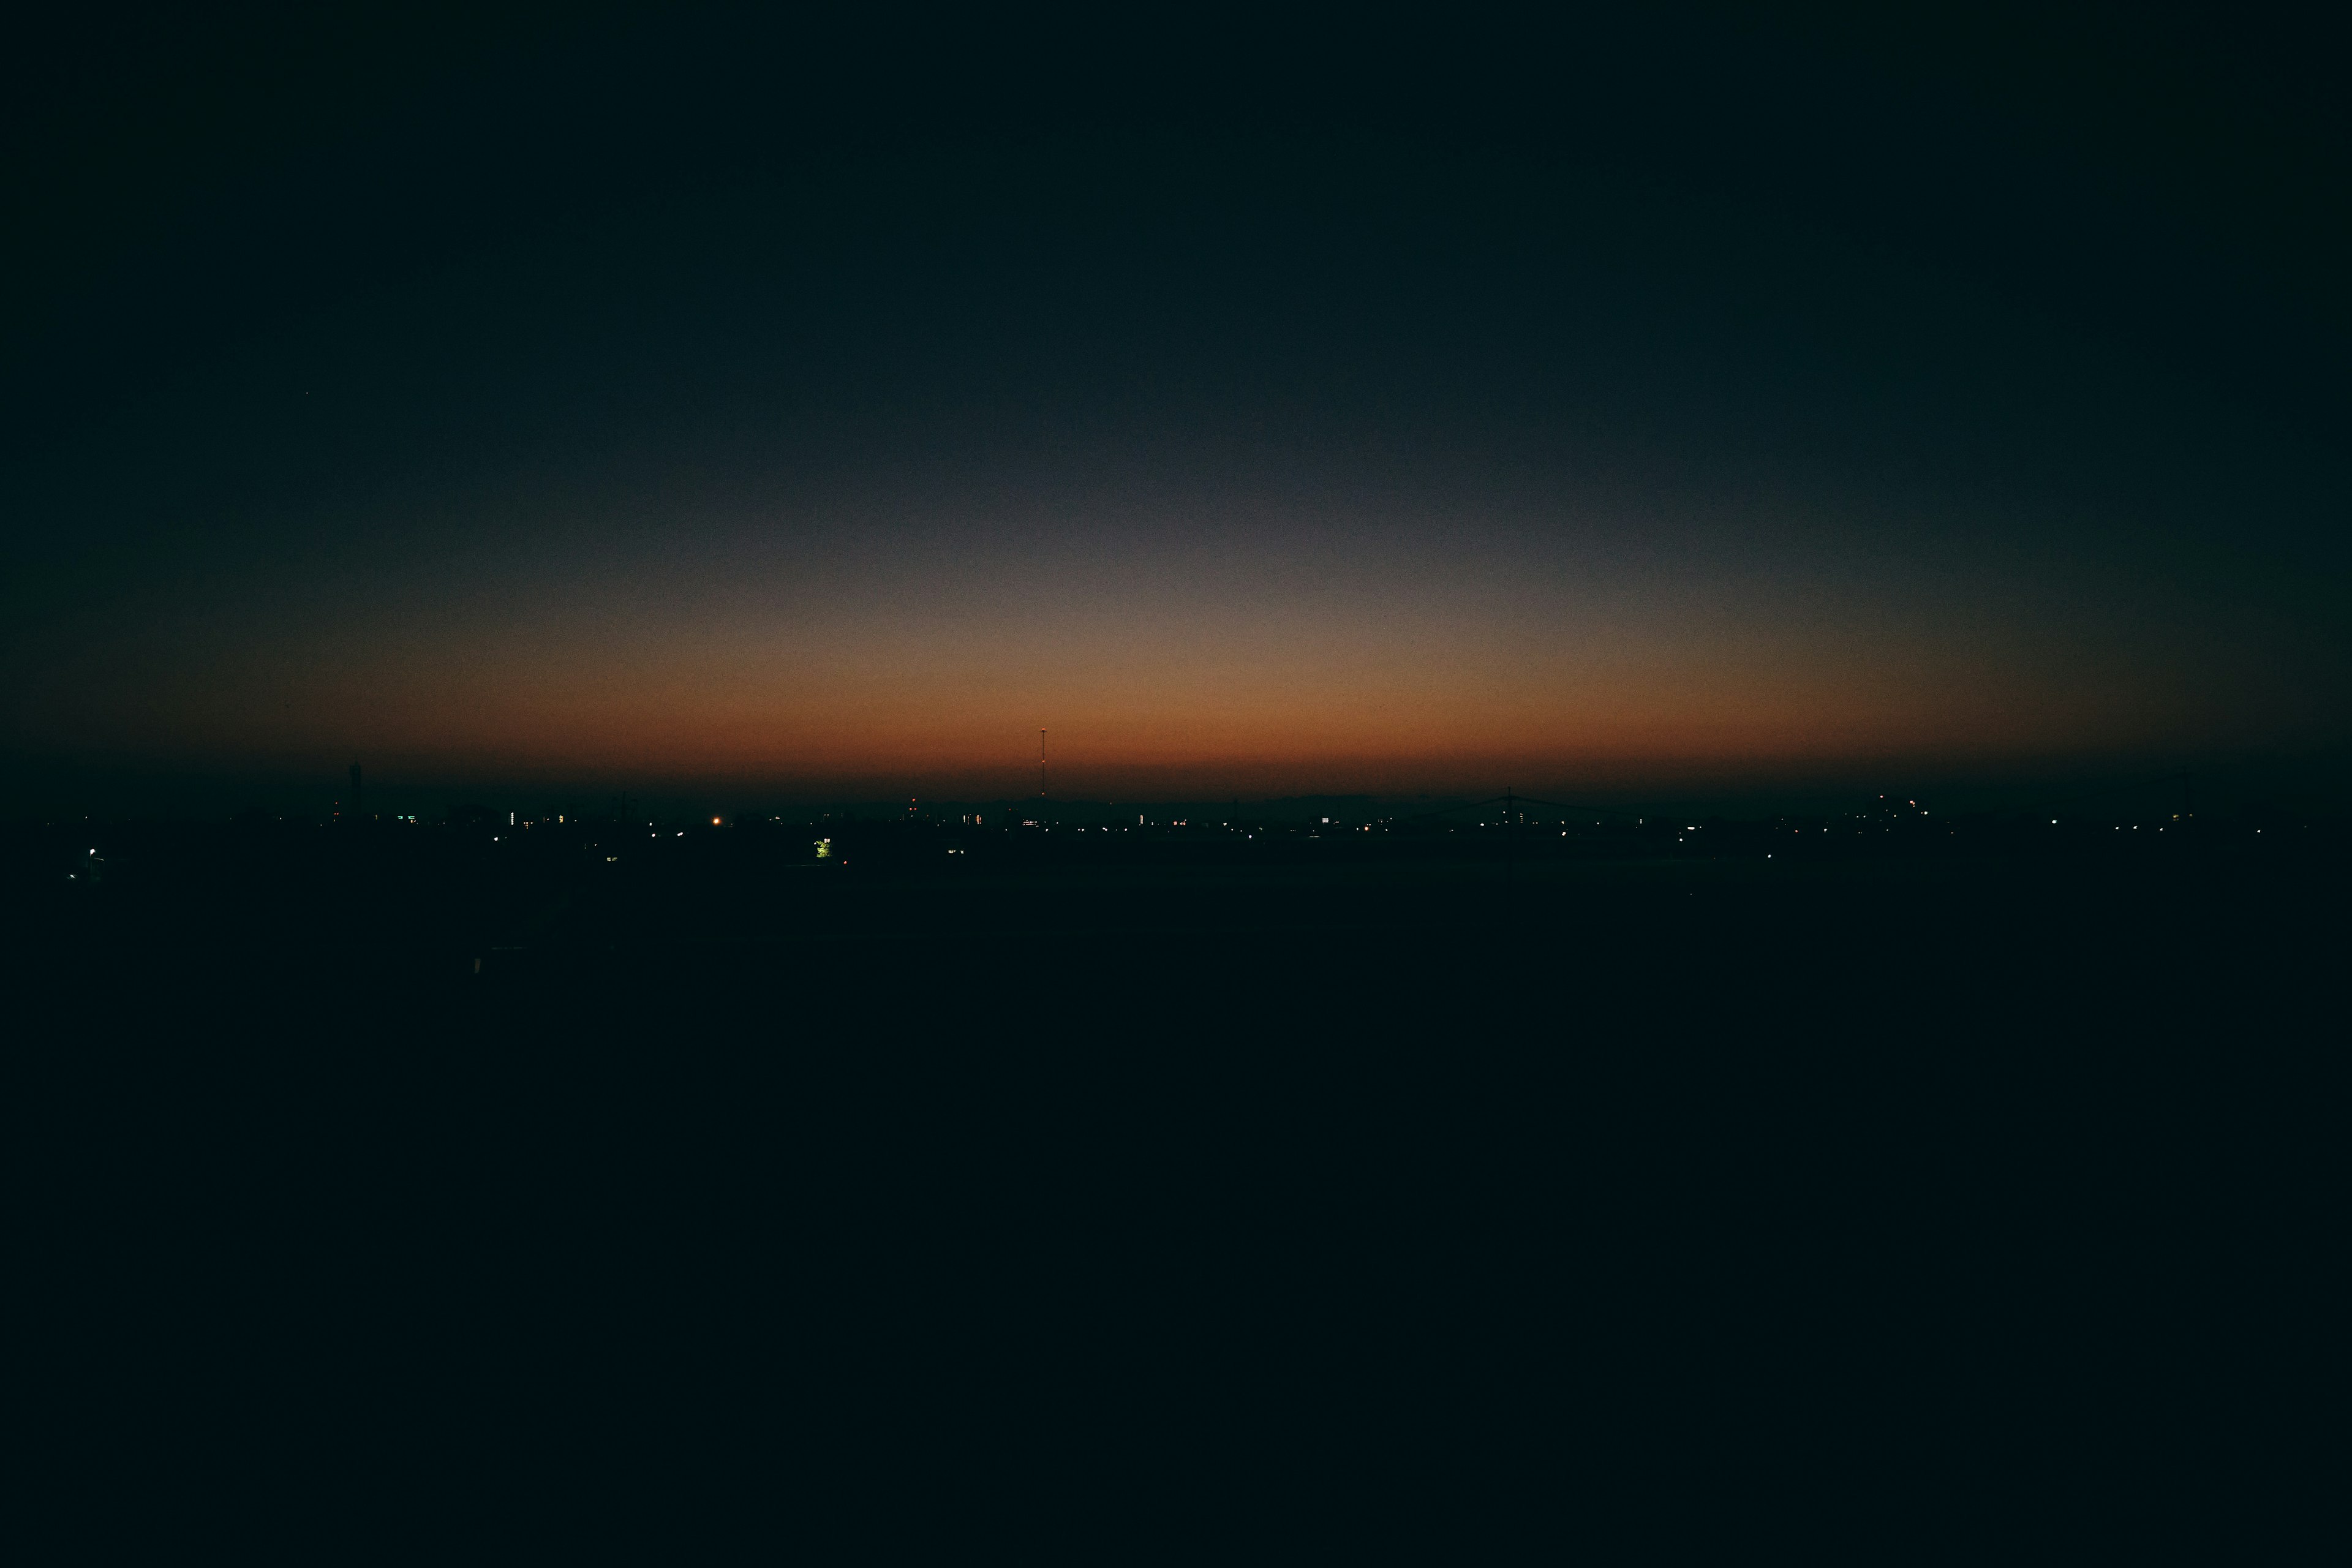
x=597 y=397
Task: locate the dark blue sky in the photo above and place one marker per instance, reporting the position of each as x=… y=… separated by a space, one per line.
x=607 y=395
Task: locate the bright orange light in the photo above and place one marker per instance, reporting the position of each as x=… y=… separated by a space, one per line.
x=714 y=822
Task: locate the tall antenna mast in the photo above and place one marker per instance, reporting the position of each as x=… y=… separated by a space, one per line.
x=1041 y=765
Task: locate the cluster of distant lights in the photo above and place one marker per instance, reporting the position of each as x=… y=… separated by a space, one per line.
x=973 y=819
x=824 y=849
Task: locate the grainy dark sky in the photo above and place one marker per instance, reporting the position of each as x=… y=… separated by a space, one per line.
x=659 y=396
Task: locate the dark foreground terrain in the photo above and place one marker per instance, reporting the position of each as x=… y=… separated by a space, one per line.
x=1096 y=1208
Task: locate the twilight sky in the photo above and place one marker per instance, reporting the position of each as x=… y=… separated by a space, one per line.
x=589 y=397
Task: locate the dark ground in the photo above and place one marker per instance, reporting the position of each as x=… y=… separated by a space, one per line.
x=1631 y=1208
